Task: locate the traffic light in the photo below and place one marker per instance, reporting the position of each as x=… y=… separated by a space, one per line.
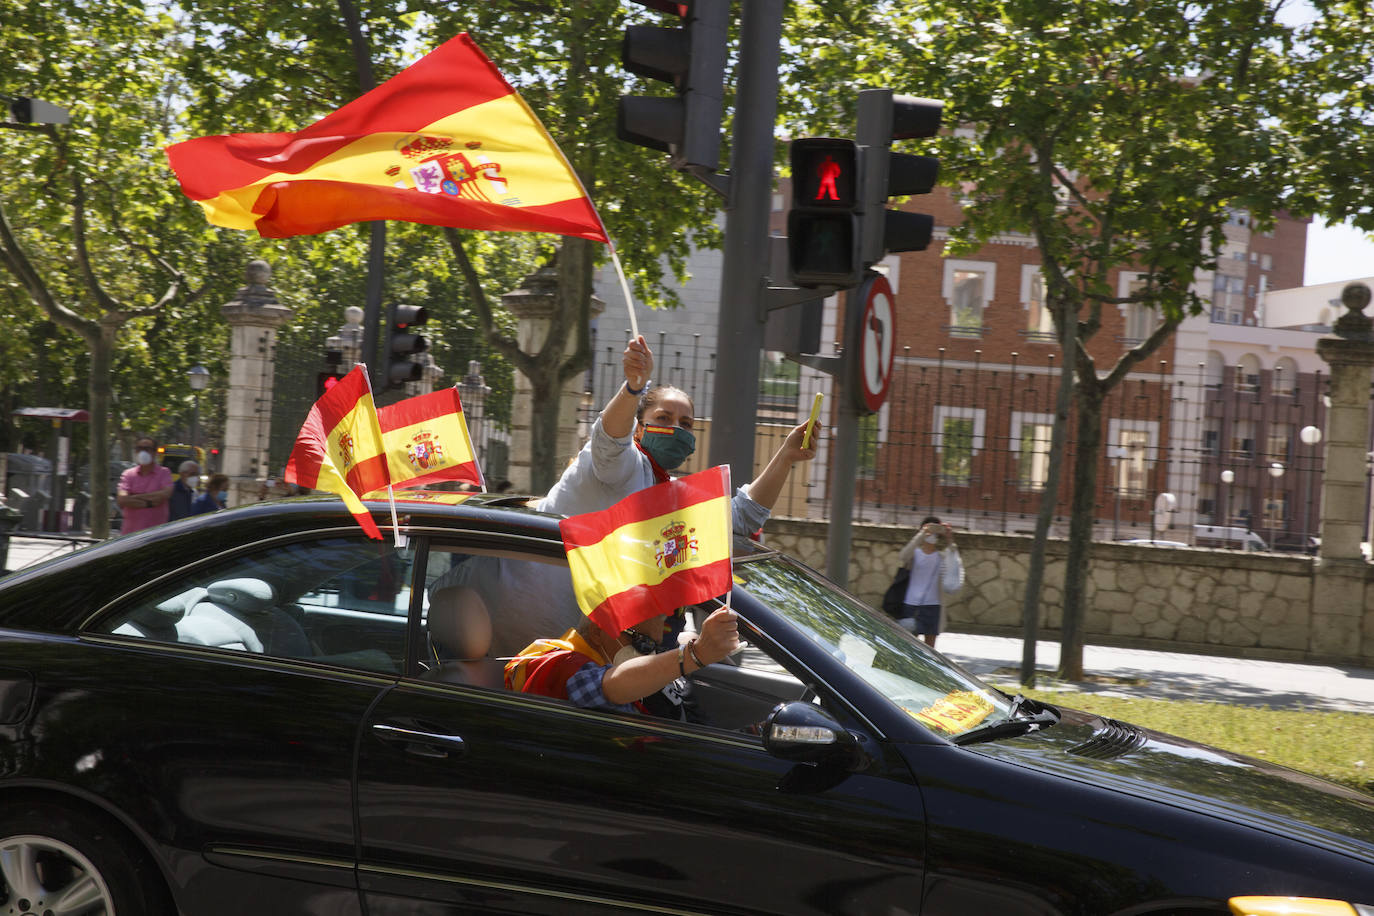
x=823 y=225
x=883 y=118
x=402 y=343
x=692 y=57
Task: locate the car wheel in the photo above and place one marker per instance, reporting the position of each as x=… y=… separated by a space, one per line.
x=56 y=860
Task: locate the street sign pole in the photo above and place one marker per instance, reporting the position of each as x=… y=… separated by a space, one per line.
x=749 y=204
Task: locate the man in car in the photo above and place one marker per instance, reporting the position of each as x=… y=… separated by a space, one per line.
x=598 y=670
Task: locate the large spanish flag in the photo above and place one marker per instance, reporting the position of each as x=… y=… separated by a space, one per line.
x=446 y=142
x=426 y=439
x=654 y=551
x=339 y=447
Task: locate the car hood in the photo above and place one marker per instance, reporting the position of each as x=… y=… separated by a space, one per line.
x=1175 y=771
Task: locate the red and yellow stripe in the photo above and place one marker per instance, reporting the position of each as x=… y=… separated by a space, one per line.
x=617 y=557
x=450 y=117
x=426 y=440
x=339 y=448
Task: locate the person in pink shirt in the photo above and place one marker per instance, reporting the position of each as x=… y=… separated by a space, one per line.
x=144 y=489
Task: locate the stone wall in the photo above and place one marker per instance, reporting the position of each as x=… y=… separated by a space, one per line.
x=1189 y=600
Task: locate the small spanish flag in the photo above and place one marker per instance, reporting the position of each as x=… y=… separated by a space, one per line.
x=654 y=551
x=339 y=447
x=446 y=142
x=427 y=440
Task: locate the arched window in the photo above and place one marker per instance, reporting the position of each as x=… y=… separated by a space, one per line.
x=1248 y=373
x=1285 y=375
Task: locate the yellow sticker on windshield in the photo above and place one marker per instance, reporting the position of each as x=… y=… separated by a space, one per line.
x=955 y=712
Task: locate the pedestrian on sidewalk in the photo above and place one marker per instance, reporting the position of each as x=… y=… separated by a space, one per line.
x=215 y=495
x=184 y=490
x=144 y=489
x=936 y=571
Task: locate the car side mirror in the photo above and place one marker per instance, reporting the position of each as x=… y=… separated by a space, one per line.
x=801 y=733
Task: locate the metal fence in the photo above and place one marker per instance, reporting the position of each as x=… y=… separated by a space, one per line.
x=969 y=441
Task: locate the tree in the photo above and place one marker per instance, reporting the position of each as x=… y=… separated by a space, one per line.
x=88 y=227
x=565 y=62
x=1121 y=137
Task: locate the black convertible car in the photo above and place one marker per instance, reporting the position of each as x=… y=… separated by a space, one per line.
x=262 y=711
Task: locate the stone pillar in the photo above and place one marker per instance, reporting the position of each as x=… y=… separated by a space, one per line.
x=533 y=304
x=254 y=317
x=1340 y=620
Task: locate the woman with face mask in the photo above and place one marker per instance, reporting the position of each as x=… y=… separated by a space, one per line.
x=645 y=432
x=216 y=495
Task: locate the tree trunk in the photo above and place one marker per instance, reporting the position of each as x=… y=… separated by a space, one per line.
x=1049 y=497
x=99 y=388
x=1082 y=514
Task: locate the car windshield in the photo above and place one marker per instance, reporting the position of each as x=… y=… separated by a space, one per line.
x=931 y=689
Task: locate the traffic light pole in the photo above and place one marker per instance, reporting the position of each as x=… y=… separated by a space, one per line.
x=749 y=205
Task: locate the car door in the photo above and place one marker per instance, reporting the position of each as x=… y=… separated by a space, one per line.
x=243 y=685
x=481 y=800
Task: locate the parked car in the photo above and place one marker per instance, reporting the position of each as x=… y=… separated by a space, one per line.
x=1231 y=536
x=263 y=708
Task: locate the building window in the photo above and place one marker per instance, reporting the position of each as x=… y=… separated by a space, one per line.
x=1248 y=373
x=1285 y=375
x=1030 y=436
x=1140 y=320
x=958 y=438
x=1243 y=439
x=1132 y=466
x=1207 y=505
x=1214 y=371
x=1039 y=321
x=1211 y=439
x=1275 y=510
x=968 y=287
x=868 y=446
x=1278 y=441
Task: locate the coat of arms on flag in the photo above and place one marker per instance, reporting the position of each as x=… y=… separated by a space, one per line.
x=678 y=545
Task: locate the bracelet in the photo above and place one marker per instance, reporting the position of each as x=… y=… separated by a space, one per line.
x=681 y=654
x=636 y=391
x=692 y=647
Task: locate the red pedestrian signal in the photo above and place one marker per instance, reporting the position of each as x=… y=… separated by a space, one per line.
x=325 y=381
x=822 y=226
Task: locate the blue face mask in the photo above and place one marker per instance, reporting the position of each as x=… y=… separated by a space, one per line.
x=668 y=446
x=222 y=495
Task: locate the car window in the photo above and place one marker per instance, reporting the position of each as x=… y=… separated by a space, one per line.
x=484 y=608
x=923 y=683
x=338 y=600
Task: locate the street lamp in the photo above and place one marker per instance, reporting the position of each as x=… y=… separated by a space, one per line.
x=1310 y=436
x=199 y=377
x=1276 y=472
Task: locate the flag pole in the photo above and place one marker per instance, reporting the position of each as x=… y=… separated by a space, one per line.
x=400 y=539
x=625 y=288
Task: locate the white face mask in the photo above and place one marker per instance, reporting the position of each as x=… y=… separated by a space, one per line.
x=144 y=457
x=624 y=655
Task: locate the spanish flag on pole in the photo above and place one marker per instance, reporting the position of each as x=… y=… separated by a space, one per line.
x=427 y=440
x=339 y=447
x=652 y=552
x=446 y=142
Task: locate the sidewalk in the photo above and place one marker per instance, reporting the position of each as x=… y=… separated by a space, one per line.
x=28 y=549
x=1149 y=674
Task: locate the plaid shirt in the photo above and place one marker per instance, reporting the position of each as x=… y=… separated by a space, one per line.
x=584 y=689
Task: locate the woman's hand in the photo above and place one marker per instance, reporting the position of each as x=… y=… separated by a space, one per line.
x=638 y=361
